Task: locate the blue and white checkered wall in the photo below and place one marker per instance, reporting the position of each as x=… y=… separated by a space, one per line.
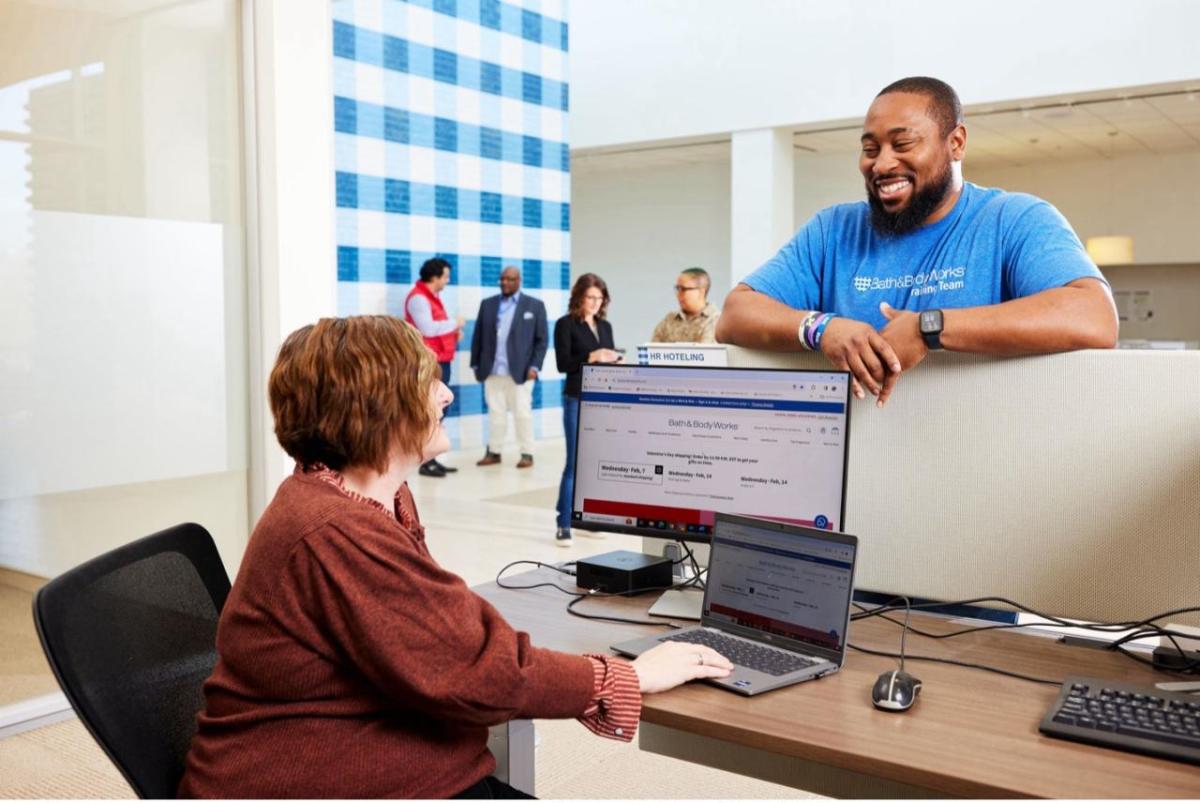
x=450 y=121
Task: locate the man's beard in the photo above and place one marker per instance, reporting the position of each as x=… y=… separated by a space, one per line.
x=920 y=207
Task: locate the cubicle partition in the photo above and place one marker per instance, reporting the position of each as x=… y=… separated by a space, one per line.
x=1068 y=482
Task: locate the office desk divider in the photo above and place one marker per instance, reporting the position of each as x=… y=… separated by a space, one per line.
x=1067 y=482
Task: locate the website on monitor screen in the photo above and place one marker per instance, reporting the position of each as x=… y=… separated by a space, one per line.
x=667 y=448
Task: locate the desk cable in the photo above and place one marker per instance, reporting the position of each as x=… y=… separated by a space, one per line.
x=966 y=664
x=1140 y=628
x=580 y=596
x=697 y=578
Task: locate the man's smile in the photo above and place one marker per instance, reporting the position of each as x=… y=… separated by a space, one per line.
x=892 y=188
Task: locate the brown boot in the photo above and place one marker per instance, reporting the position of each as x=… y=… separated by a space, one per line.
x=526 y=461
x=489 y=458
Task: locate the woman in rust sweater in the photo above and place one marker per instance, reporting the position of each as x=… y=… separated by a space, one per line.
x=352 y=665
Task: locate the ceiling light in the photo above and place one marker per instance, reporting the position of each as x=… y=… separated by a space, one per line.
x=1110 y=250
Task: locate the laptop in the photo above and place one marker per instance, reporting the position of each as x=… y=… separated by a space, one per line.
x=776 y=603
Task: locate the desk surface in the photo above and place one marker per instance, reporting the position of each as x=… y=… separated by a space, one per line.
x=971 y=734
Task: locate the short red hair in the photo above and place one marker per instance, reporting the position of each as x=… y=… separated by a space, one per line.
x=348 y=391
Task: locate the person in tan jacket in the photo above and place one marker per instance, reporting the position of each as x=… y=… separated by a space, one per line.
x=696 y=319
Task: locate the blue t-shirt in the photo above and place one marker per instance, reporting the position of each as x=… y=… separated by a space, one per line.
x=993 y=246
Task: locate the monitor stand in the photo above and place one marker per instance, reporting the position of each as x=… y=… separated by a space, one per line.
x=679 y=603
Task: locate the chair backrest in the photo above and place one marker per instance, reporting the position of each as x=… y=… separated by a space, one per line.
x=131 y=637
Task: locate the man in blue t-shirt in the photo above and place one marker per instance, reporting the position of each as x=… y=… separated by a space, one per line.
x=927 y=262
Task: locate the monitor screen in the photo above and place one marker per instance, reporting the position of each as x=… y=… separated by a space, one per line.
x=662 y=450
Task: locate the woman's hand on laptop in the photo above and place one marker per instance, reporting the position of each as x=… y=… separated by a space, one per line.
x=673 y=663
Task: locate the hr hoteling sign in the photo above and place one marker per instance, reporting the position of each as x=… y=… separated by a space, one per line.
x=682 y=354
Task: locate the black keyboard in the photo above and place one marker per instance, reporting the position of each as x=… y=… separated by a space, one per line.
x=1126 y=716
x=745 y=653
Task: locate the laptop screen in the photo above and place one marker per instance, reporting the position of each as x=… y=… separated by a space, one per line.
x=784 y=582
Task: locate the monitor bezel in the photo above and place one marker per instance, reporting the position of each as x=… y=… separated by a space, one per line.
x=702 y=538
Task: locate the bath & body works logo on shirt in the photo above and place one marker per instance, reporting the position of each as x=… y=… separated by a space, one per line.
x=922 y=284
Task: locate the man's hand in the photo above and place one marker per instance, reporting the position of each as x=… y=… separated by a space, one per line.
x=855 y=347
x=532 y=374
x=903 y=332
x=673 y=663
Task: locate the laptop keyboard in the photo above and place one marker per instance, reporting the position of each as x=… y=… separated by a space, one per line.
x=745 y=653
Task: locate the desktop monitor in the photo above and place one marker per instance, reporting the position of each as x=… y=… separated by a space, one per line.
x=661 y=450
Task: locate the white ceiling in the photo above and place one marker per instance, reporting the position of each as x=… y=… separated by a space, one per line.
x=1154 y=123
x=640 y=158
x=1092 y=130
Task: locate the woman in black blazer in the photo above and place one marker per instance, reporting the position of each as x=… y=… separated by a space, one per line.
x=581 y=336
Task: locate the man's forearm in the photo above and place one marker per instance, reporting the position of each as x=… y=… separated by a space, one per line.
x=1078 y=316
x=756 y=321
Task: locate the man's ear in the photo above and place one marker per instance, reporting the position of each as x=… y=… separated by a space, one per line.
x=958 y=142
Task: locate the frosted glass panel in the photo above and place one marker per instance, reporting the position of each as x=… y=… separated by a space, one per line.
x=126 y=381
x=123 y=354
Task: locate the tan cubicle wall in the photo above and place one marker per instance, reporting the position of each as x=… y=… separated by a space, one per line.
x=1069 y=482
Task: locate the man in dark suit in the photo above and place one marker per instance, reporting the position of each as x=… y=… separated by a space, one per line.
x=507 y=351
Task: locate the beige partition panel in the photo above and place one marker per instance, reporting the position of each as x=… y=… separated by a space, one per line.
x=1070 y=482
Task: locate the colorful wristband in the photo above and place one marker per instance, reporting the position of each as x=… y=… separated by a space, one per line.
x=819 y=329
x=805 y=330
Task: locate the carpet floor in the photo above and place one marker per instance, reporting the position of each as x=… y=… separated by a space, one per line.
x=24 y=673
x=61 y=762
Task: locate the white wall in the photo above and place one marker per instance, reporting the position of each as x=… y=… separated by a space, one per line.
x=1153 y=198
x=638 y=228
x=294 y=276
x=823 y=181
x=643 y=71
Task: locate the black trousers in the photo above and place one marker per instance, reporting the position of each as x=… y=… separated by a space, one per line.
x=491 y=789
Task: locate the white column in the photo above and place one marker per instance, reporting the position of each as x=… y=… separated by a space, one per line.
x=290 y=204
x=762 y=196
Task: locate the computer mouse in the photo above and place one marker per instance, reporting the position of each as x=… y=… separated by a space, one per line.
x=895 y=691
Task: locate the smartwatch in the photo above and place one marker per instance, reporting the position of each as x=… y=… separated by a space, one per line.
x=931 y=328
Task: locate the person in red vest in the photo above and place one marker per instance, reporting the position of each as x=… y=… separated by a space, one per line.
x=424 y=310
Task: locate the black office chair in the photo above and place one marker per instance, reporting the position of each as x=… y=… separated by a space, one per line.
x=131 y=637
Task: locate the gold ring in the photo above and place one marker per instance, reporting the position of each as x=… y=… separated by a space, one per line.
x=700 y=658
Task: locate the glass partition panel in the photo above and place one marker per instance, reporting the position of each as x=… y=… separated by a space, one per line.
x=122 y=310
